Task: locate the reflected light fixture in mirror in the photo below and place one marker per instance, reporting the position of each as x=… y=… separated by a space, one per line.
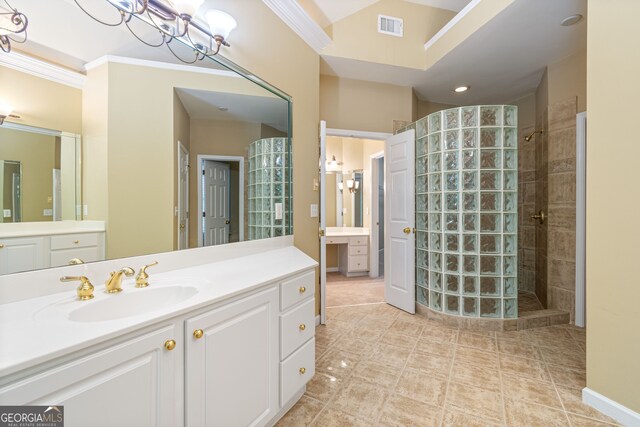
x=353 y=185
x=340 y=186
x=12 y=23
x=5 y=111
x=175 y=20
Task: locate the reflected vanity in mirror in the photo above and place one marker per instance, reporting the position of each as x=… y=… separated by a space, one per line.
x=202 y=158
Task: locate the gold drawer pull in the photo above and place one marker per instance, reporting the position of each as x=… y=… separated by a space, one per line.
x=1 y=246
x=76 y=241
x=303 y=370
x=302 y=289
x=302 y=327
x=198 y=333
x=169 y=344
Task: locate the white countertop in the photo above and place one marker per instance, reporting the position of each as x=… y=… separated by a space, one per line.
x=46 y=228
x=346 y=231
x=31 y=338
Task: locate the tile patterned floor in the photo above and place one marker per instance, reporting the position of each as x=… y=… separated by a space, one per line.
x=378 y=366
x=342 y=290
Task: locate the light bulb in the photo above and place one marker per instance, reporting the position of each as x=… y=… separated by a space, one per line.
x=349 y=184
x=5 y=109
x=334 y=163
x=340 y=186
x=187 y=7
x=220 y=23
x=357 y=184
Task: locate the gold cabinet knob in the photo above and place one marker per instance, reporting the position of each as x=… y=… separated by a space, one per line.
x=302 y=327
x=406 y=230
x=303 y=370
x=302 y=289
x=76 y=241
x=169 y=344
x=198 y=333
x=1 y=246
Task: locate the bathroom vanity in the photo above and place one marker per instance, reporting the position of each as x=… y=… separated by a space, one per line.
x=353 y=252
x=214 y=343
x=26 y=246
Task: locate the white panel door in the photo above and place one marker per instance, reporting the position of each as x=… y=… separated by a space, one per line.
x=134 y=383
x=399 y=218
x=323 y=221
x=216 y=203
x=231 y=371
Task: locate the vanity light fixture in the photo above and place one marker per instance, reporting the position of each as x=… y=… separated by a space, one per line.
x=461 y=89
x=175 y=19
x=5 y=111
x=340 y=186
x=12 y=23
x=353 y=185
x=333 y=164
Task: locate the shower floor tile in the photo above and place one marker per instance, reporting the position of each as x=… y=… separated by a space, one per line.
x=403 y=370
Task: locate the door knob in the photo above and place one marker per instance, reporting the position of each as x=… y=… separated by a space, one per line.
x=406 y=230
x=540 y=216
x=227 y=222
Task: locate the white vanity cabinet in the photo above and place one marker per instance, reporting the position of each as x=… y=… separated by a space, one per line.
x=22 y=254
x=231 y=363
x=86 y=246
x=133 y=382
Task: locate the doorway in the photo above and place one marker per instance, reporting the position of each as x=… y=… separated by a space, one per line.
x=352 y=213
x=220 y=200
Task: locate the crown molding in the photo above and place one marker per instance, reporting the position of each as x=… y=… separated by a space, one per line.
x=42 y=69
x=157 y=64
x=292 y=14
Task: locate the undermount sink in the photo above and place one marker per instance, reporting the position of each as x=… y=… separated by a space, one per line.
x=128 y=303
x=132 y=304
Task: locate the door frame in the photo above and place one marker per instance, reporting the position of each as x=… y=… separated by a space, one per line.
x=374 y=231
x=344 y=133
x=239 y=159
x=182 y=150
x=581 y=228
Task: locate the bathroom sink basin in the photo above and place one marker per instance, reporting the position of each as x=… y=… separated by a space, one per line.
x=132 y=303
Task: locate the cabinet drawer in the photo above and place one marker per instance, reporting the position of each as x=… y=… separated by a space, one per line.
x=359 y=241
x=297 y=289
x=296 y=371
x=337 y=240
x=68 y=241
x=62 y=257
x=296 y=327
x=358 y=263
x=358 y=250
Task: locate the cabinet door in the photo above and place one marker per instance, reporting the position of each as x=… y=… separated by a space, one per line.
x=231 y=372
x=21 y=254
x=129 y=384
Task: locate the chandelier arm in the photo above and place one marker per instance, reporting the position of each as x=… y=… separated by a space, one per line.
x=163 y=41
x=163 y=28
x=122 y=16
x=174 y=54
x=198 y=47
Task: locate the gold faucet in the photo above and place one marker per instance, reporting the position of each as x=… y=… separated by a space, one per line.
x=114 y=284
x=141 y=278
x=85 y=290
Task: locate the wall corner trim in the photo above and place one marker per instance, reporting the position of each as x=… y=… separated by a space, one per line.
x=292 y=14
x=444 y=30
x=42 y=69
x=610 y=408
x=159 y=65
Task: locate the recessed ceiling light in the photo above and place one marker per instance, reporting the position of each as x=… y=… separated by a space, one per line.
x=571 y=20
x=461 y=89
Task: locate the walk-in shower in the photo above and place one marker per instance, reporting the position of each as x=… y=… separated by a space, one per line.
x=467 y=211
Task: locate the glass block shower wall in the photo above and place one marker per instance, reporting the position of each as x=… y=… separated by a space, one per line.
x=268 y=189
x=466 y=211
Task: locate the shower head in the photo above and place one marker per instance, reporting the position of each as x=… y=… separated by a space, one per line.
x=528 y=137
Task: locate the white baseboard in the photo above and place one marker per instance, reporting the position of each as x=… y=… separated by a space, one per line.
x=611 y=408
x=317 y=320
x=332 y=269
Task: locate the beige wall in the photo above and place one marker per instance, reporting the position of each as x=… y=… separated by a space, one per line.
x=359 y=105
x=613 y=201
x=568 y=78
x=36 y=153
x=40 y=102
x=357 y=37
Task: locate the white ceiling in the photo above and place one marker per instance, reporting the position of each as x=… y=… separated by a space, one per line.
x=502 y=61
x=201 y=104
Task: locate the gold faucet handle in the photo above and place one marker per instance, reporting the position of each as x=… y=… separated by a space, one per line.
x=141 y=278
x=85 y=290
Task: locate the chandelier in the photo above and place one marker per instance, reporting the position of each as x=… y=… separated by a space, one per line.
x=12 y=23
x=174 y=19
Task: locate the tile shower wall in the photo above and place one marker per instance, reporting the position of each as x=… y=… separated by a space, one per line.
x=561 y=228
x=467 y=211
x=268 y=186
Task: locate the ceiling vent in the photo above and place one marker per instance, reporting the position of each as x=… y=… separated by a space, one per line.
x=390 y=25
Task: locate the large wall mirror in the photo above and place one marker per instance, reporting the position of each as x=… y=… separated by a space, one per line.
x=170 y=155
